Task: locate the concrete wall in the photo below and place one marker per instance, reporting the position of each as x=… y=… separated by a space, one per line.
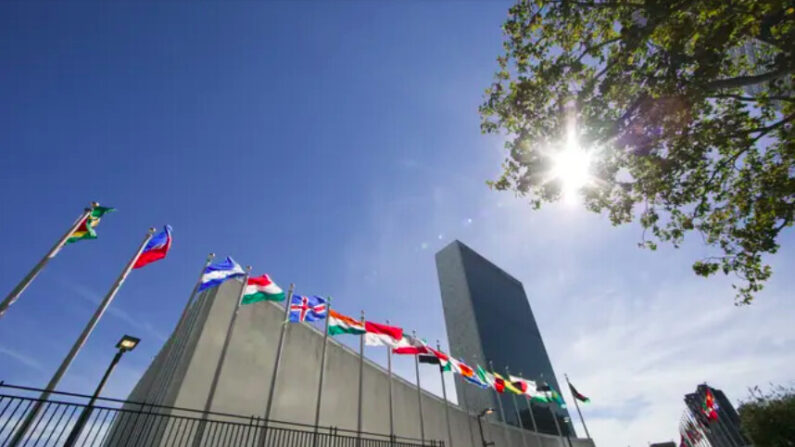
x=245 y=375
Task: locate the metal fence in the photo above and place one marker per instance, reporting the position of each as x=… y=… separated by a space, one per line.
x=66 y=420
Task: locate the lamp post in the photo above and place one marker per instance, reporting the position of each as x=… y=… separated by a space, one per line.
x=480 y=426
x=127 y=343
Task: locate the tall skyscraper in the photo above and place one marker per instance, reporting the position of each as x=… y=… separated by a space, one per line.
x=723 y=432
x=489 y=319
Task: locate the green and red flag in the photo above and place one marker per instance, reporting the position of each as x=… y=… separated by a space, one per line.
x=577 y=395
x=261 y=288
x=86 y=228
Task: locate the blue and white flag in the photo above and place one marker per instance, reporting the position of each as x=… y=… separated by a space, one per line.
x=307 y=308
x=215 y=274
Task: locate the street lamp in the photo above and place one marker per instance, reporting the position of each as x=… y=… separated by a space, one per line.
x=127 y=343
x=480 y=426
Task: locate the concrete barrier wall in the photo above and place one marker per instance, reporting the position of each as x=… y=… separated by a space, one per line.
x=245 y=375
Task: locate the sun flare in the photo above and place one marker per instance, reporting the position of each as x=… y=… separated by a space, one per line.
x=572 y=166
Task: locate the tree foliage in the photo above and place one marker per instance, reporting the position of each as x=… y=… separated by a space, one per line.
x=689 y=105
x=768 y=419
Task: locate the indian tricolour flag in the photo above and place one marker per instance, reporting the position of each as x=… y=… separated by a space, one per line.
x=261 y=288
x=343 y=324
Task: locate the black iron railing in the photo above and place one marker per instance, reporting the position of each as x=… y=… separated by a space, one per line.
x=66 y=420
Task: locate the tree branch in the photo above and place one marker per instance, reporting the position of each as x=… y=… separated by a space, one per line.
x=742 y=81
x=752 y=98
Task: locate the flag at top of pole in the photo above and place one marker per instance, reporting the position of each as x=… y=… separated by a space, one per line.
x=219 y=272
x=307 y=308
x=86 y=228
x=81 y=228
x=156 y=249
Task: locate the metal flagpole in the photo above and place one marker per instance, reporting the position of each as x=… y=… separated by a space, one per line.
x=12 y=297
x=361 y=380
x=81 y=340
x=578 y=407
x=516 y=408
x=175 y=349
x=555 y=420
x=322 y=370
x=499 y=400
x=466 y=410
x=446 y=405
x=419 y=392
x=276 y=362
x=532 y=416
x=197 y=439
x=391 y=416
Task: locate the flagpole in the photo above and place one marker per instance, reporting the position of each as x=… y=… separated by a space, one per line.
x=276 y=362
x=81 y=340
x=361 y=380
x=446 y=405
x=197 y=439
x=419 y=391
x=12 y=297
x=499 y=400
x=466 y=409
x=532 y=416
x=179 y=342
x=530 y=407
x=576 y=404
x=555 y=420
x=322 y=370
x=516 y=408
x=391 y=416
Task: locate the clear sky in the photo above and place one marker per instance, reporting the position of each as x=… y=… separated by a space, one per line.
x=334 y=145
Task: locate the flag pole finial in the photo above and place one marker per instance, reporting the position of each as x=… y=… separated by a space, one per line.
x=152 y=230
x=211 y=255
x=94 y=204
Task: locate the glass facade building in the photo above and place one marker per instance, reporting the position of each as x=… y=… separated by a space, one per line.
x=489 y=321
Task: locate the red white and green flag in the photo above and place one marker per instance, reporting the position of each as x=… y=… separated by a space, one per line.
x=343 y=324
x=261 y=288
x=444 y=359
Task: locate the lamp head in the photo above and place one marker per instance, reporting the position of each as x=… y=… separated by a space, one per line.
x=127 y=343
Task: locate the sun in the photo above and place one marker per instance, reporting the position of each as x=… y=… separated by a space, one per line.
x=572 y=166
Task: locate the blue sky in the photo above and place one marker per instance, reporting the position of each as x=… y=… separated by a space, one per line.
x=334 y=145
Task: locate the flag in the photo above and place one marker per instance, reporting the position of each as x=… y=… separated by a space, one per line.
x=156 y=249
x=261 y=288
x=509 y=385
x=709 y=406
x=343 y=324
x=410 y=345
x=527 y=387
x=485 y=376
x=86 y=228
x=382 y=335
x=307 y=308
x=474 y=380
x=577 y=394
x=499 y=383
x=216 y=274
x=459 y=367
x=443 y=358
x=429 y=358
